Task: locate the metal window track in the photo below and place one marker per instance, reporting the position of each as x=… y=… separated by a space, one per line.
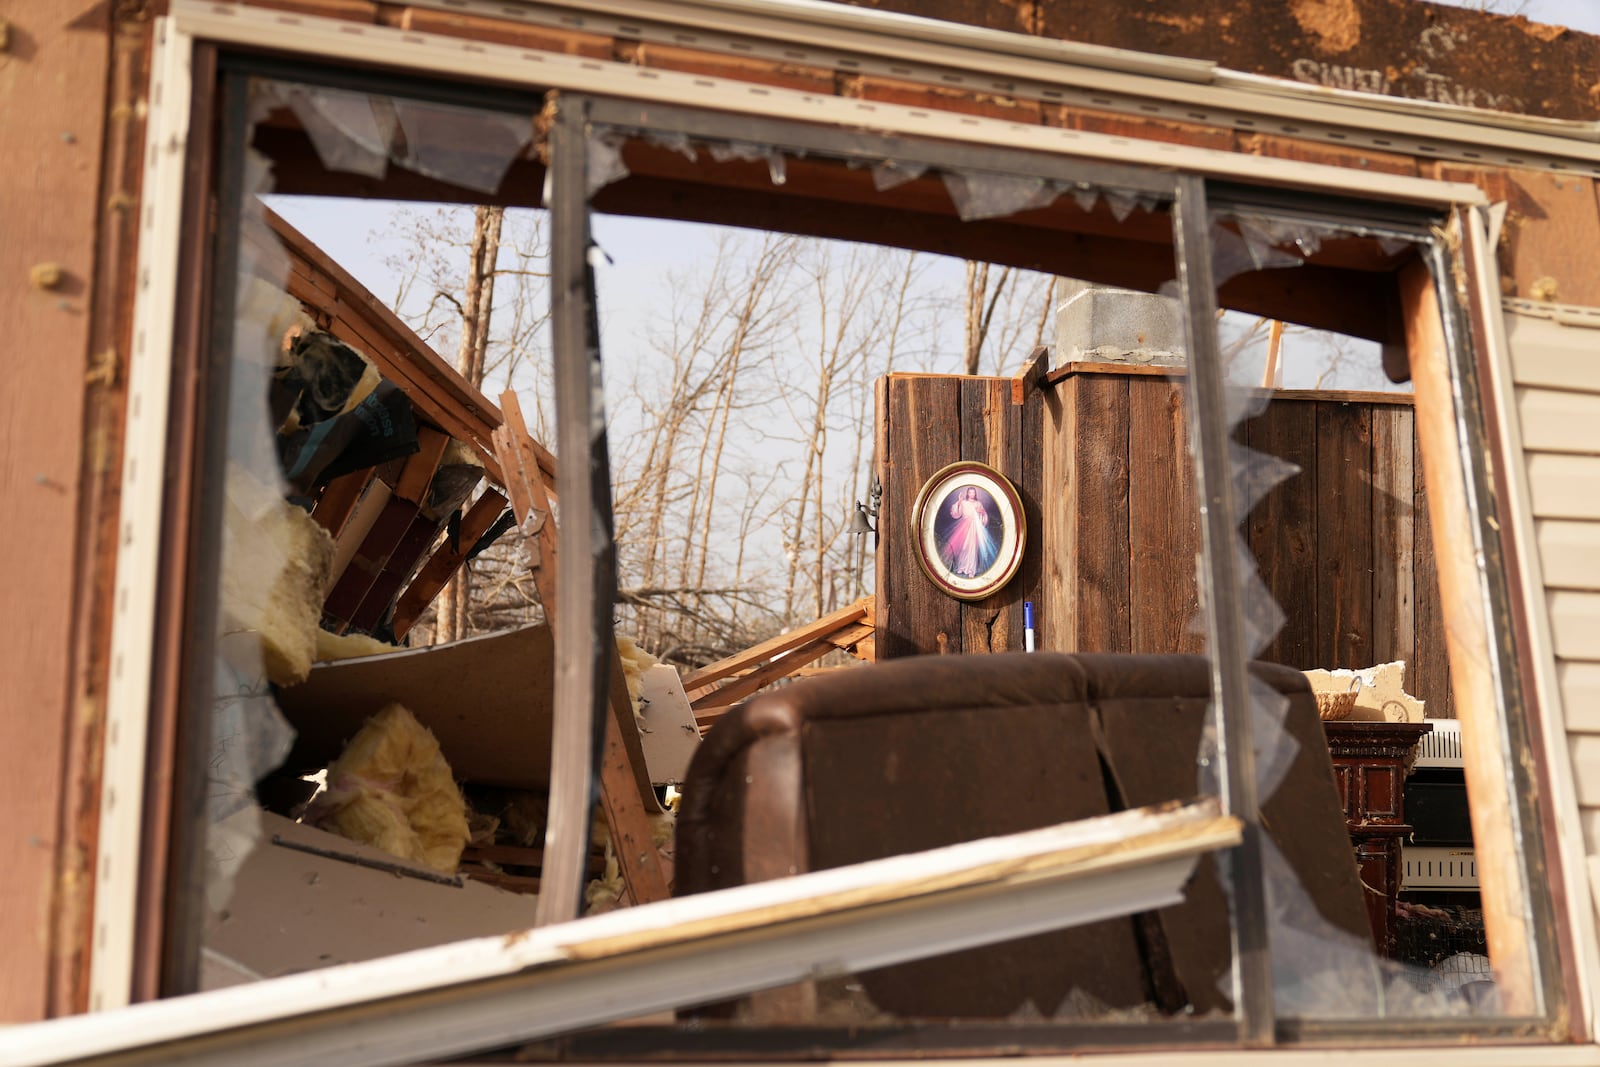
x=343 y=42
x=853 y=40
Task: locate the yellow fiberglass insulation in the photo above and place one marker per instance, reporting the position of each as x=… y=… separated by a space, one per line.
x=332 y=646
x=391 y=788
x=276 y=561
x=635 y=661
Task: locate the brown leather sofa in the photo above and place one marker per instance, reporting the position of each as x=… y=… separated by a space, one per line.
x=923 y=752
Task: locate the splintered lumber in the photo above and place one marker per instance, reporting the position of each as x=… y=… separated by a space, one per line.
x=645 y=876
x=800 y=635
x=711 y=705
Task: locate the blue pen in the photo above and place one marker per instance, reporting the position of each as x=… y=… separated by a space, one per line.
x=1027 y=625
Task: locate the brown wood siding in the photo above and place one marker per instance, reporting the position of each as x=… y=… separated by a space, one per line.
x=1116 y=534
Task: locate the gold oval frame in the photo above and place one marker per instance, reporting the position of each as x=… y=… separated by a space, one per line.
x=925 y=526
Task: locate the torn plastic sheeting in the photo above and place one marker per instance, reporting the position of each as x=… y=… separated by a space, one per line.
x=748 y=152
x=1124 y=203
x=469 y=147
x=892 y=173
x=363 y=133
x=990 y=196
x=1276 y=233
x=605 y=163
x=1233 y=254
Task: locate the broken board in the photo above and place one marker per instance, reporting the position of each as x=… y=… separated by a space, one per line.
x=492 y=722
x=667 y=728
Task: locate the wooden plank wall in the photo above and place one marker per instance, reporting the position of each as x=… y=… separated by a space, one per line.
x=1116 y=535
x=929 y=422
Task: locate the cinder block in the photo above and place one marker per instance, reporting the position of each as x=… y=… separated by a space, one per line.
x=1102 y=324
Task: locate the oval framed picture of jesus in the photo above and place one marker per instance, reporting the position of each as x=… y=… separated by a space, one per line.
x=970 y=530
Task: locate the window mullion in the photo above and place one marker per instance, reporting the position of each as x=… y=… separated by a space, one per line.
x=585 y=565
x=1221 y=602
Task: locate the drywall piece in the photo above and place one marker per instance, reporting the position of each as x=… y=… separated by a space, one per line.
x=667 y=728
x=294 y=911
x=487 y=699
x=1382 y=696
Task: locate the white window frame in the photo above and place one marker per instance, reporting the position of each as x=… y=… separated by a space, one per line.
x=192 y=21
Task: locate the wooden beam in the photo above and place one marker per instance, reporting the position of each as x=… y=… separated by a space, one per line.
x=755 y=654
x=644 y=871
x=436 y=389
x=780 y=667
x=445 y=561
x=1511 y=943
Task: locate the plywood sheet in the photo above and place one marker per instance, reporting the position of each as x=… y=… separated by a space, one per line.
x=292 y=911
x=487 y=699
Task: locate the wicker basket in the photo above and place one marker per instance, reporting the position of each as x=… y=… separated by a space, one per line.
x=1335 y=706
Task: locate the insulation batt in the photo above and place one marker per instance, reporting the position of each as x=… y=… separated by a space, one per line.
x=635 y=661
x=276 y=562
x=391 y=788
x=332 y=646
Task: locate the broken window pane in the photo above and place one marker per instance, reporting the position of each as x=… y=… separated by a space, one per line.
x=1338 y=560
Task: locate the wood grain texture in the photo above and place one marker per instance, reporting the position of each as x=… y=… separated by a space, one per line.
x=1344 y=536
x=1394 y=610
x=54 y=123
x=1282 y=528
x=991 y=432
x=1467 y=639
x=1428 y=674
x=1163 y=521
x=923 y=438
x=1100 y=513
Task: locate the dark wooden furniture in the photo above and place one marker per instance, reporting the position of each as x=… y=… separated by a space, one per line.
x=1369 y=767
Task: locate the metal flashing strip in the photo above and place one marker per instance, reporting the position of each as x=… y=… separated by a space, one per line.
x=852 y=40
x=122 y=783
x=338 y=41
x=489 y=992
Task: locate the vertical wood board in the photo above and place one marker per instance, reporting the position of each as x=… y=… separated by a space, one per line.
x=924 y=436
x=1282 y=527
x=991 y=429
x=1394 y=612
x=1163 y=521
x=1100 y=513
x=1344 y=535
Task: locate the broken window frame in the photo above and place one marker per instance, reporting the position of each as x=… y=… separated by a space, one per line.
x=160 y=243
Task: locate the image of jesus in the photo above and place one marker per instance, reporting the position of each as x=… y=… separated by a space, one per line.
x=968 y=547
